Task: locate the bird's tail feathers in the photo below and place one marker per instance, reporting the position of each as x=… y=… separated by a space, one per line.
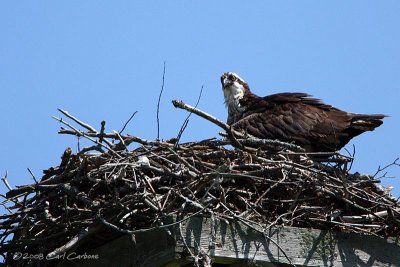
x=367 y=122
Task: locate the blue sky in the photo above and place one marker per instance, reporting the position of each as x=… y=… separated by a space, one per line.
x=103 y=60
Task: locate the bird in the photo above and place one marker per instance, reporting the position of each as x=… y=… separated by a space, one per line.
x=292 y=117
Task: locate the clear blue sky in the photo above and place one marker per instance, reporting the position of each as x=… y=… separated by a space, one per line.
x=103 y=60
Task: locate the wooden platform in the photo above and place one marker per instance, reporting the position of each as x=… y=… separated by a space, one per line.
x=236 y=244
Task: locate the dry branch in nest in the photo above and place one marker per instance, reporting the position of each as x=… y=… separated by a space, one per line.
x=108 y=186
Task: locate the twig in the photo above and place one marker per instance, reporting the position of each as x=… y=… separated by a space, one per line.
x=102 y=129
x=186 y=121
x=122 y=142
x=256 y=142
x=231 y=132
x=158 y=104
x=70 y=244
x=128 y=139
x=181 y=105
x=236 y=143
x=127 y=122
x=4 y=179
x=269 y=189
x=394 y=163
x=125 y=231
x=366 y=217
x=182 y=160
x=33 y=176
x=85 y=125
x=368 y=231
x=86 y=136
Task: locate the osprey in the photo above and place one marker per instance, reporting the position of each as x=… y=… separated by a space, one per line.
x=292 y=117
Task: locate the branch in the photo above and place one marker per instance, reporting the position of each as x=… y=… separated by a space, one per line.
x=70 y=244
x=204 y=115
x=394 y=163
x=81 y=123
x=232 y=134
x=85 y=125
x=80 y=133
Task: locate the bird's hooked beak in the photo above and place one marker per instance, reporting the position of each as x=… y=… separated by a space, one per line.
x=225 y=81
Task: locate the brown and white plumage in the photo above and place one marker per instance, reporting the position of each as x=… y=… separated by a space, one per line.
x=292 y=117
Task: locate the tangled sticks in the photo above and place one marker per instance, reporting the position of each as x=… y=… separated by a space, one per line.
x=108 y=186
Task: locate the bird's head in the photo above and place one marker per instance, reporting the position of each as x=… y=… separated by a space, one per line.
x=233 y=87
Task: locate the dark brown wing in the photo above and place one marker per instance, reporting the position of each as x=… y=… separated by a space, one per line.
x=295 y=117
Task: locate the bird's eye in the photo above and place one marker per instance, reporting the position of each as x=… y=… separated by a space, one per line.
x=232 y=78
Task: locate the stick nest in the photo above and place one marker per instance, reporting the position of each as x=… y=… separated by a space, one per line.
x=132 y=191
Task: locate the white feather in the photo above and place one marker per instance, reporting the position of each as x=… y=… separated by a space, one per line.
x=233 y=92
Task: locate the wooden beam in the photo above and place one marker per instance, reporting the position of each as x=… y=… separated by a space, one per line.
x=235 y=243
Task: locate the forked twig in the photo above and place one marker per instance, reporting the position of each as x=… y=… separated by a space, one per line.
x=81 y=123
x=79 y=133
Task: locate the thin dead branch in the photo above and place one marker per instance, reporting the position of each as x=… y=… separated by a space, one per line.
x=158 y=103
x=127 y=122
x=186 y=121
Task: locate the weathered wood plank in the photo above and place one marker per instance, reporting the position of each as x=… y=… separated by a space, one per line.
x=154 y=248
x=304 y=247
x=228 y=243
